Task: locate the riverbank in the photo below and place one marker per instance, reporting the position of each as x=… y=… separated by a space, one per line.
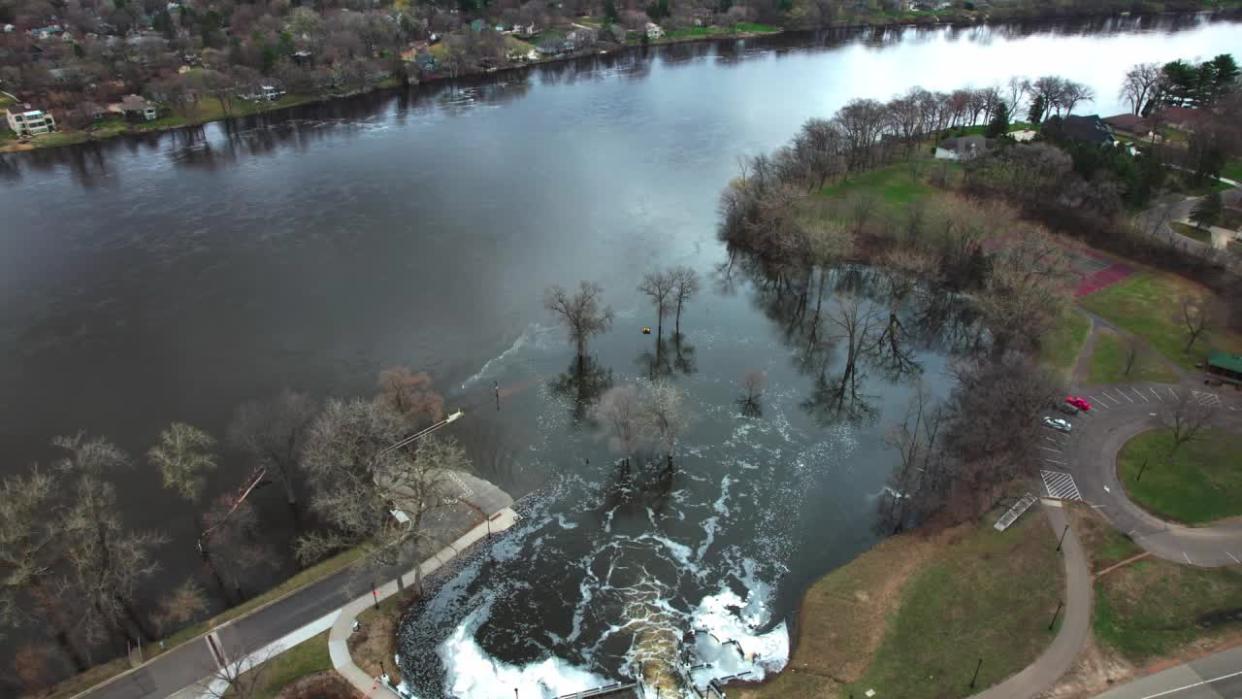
x=208 y=109
x=911 y=616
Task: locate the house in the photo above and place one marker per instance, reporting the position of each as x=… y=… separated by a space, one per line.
x=1080 y=129
x=137 y=108
x=1022 y=135
x=962 y=148
x=654 y=31
x=30 y=122
x=271 y=93
x=1129 y=124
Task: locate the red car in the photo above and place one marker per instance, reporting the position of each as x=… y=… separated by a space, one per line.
x=1079 y=402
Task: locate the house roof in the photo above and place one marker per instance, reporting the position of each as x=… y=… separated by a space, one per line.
x=133 y=103
x=1127 y=122
x=1088 y=129
x=1225 y=360
x=1232 y=198
x=1178 y=115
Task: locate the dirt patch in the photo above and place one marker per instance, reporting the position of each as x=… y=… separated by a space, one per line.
x=374 y=645
x=1096 y=670
x=857 y=600
x=321 y=685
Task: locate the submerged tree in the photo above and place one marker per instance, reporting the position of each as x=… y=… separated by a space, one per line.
x=31 y=541
x=106 y=562
x=658 y=286
x=750 y=402
x=183 y=457
x=411 y=396
x=273 y=433
x=582 y=313
x=686 y=286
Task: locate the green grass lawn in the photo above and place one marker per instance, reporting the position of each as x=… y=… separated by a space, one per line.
x=1152 y=608
x=1199 y=483
x=1104 y=545
x=1232 y=170
x=990 y=596
x=1108 y=363
x=896 y=185
x=1149 y=305
x=1192 y=232
x=1059 y=348
x=306 y=658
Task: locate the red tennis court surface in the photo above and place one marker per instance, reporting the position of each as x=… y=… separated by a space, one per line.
x=1095 y=270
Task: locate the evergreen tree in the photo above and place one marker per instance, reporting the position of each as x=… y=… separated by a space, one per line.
x=1036 y=113
x=610 y=12
x=999 y=126
x=1207 y=212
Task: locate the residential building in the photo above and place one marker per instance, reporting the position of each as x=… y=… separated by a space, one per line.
x=962 y=148
x=138 y=108
x=1081 y=129
x=1022 y=135
x=30 y=122
x=1223 y=367
x=654 y=31
x=1129 y=124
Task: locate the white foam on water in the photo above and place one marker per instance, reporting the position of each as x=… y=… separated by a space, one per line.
x=470 y=673
x=729 y=641
x=529 y=335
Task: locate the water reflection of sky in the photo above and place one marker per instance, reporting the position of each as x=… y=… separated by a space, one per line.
x=175 y=276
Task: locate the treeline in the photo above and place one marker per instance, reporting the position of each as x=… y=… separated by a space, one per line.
x=74 y=58
x=70 y=565
x=1179 y=83
x=985 y=239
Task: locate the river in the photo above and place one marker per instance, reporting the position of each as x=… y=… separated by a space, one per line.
x=174 y=276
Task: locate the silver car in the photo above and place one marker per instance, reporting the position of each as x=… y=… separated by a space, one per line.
x=1058 y=424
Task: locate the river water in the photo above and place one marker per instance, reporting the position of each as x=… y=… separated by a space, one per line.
x=176 y=275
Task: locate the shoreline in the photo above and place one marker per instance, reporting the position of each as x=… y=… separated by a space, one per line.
x=74 y=137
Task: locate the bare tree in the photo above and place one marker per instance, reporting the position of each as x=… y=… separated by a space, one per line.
x=1133 y=346
x=30 y=548
x=1142 y=87
x=410 y=395
x=582 y=314
x=686 y=286
x=1195 y=318
x=753 y=384
x=106 y=562
x=1072 y=93
x=618 y=410
x=360 y=481
x=658 y=286
x=663 y=417
x=912 y=487
x=183 y=457
x=1187 y=419
x=184 y=604
x=243 y=678
x=274 y=432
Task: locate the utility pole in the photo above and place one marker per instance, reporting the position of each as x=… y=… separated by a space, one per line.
x=496 y=388
x=1060 y=603
x=972 y=679
x=1140 y=473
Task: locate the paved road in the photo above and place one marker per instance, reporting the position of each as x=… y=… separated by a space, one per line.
x=1120 y=413
x=1060 y=655
x=1217 y=676
x=192 y=662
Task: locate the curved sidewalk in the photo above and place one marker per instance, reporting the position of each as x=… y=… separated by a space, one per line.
x=1120 y=413
x=1060 y=655
x=342 y=626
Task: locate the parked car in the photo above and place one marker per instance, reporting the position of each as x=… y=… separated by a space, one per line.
x=1079 y=402
x=1058 y=424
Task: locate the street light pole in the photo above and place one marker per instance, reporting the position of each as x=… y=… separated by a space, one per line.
x=1062 y=540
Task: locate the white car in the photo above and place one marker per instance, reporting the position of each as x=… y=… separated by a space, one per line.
x=1058 y=424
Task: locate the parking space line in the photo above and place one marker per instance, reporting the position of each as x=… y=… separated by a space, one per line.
x=1123 y=394
x=1097 y=401
x=1055 y=451
x=1171 y=391
x=1153 y=392
x=1140 y=395
x=1186 y=556
x=1235 y=558
x=1054 y=461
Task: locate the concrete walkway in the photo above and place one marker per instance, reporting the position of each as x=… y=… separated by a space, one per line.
x=1060 y=655
x=343 y=623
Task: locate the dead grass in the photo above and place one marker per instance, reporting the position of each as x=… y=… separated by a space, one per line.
x=374 y=645
x=1104 y=545
x=843 y=618
x=323 y=685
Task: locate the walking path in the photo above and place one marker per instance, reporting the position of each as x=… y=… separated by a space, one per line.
x=1060 y=655
x=186 y=672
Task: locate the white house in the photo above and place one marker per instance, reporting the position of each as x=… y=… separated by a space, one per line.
x=654 y=31
x=961 y=148
x=1022 y=135
x=31 y=122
